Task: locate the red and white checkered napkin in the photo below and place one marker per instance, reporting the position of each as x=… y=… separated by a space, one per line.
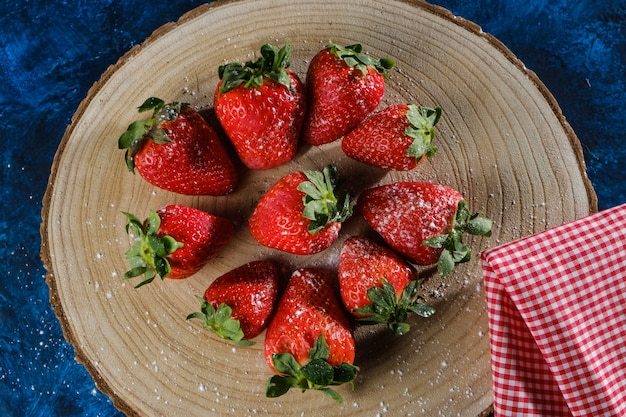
x=556 y=303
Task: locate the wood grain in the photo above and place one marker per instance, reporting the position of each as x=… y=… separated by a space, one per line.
x=503 y=143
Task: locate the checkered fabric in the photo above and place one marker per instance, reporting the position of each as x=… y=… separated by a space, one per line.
x=556 y=303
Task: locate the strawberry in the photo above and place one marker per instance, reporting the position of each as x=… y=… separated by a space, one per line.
x=237 y=306
x=178 y=151
x=423 y=221
x=301 y=213
x=174 y=242
x=343 y=86
x=397 y=137
x=261 y=106
x=378 y=286
x=309 y=342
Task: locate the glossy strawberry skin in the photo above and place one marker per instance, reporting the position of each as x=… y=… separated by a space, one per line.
x=277 y=221
x=364 y=264
x=310 y=306
x=251 y=291
x=194 y=163
x=202 y=234
x=263 y=123
x=339 y=97
x=407 y=213
x=380 y=140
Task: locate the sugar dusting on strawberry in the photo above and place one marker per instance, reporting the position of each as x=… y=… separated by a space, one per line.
x=364 y=264
x=423 y=221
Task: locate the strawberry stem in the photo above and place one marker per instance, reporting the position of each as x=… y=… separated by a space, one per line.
x=454 y=250
x=422 y=130
x=271 y=64
x=386 y=307
x=321 y=204
x=220 y=322
x=317 y=374
x=353 y=57
x=140 y=130
x=148 y=254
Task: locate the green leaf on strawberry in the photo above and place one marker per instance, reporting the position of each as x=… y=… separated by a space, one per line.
x=321 y=204
x=147 y=255
x=271 y=64
x=387 y=308
x=353 y=57
x=317 y=374
x=422 y=129
x=454 y=250
x=219 y=321
x=140 y=130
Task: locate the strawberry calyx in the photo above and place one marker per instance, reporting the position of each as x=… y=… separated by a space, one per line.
x=386 y=307
x=219 y=320
x=271 y=64
x=352 y=55
x=454 y=250
x=422 y=130
x=321 y=203
x=140 y=130
x=317 y=374
x=148 y=254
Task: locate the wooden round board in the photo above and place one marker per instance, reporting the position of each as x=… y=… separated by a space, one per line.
x=503 y=143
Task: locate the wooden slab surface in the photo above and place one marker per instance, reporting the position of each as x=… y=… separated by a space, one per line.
x=502 y=142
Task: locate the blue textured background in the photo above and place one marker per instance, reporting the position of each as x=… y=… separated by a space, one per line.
x=51 y=52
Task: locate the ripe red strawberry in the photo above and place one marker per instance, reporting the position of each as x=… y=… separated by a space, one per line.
x=397 y=137
x=174 y=242
x=309 y=342
x=301 y=213
x=237 y=306
x=378 y=286
x=423 y=221
x=343 y=86
x=261 y=106
x=177 y=150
